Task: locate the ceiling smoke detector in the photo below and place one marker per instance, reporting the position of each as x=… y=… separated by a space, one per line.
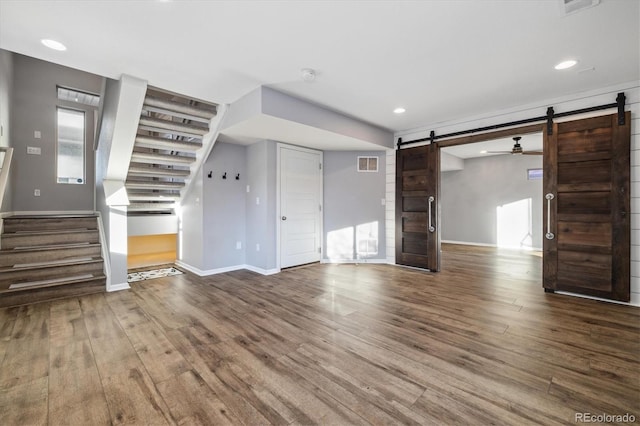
x=569 y=7
x=308 y=74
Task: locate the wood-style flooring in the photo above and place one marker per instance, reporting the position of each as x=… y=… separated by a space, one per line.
x=478 y=343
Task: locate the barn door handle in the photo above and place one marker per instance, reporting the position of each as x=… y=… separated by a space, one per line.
x=549 y=235
x=431 y=227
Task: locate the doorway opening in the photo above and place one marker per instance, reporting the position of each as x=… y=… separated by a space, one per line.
x=491 y=193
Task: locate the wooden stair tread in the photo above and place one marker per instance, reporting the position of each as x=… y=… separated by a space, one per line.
x=57 y=216
x=84 y=261
x=59 y=262
x=48 y=248
x=50 y=232
x=78 y=279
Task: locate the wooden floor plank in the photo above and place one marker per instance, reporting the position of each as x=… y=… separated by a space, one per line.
x=76 y=395
x=478 y=343
x=25 y=404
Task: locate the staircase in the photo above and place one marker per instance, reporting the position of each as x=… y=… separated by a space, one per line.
x=169 y=139
x=49 y=257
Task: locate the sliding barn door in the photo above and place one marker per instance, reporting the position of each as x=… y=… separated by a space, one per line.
x=586 y=214
x=418 y=207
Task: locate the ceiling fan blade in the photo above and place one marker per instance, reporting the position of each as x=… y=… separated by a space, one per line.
x=533 y=153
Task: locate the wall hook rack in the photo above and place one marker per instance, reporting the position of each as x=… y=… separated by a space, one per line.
x=224 y=176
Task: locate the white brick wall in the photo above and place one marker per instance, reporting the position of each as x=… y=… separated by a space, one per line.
x=569 y=103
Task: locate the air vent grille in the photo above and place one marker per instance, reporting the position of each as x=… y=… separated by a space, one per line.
x=367 y=164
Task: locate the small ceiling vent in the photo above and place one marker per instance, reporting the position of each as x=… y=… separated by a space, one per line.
x=569 y=7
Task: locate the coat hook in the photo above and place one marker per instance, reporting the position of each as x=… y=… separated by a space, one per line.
x=210 y=175
x=238 y=176
x=224 y=176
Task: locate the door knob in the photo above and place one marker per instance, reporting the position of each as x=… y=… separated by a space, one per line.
x=284 y=218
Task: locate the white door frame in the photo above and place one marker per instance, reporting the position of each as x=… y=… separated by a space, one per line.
x=280 y=146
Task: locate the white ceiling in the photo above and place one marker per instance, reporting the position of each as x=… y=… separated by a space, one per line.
x=441 y=60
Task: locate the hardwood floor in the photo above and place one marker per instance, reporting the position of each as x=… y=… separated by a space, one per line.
x=478 y=343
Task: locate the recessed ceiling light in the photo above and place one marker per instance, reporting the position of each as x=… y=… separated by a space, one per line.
x=399 y=110
x=566 y=64
x=52 y=44
x=483 y=151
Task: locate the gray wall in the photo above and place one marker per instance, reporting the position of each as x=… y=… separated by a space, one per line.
x=6 y=77
x=470 y=197
x=224 y=206
x=34 y=108
x=261 y=218
x=352 y=203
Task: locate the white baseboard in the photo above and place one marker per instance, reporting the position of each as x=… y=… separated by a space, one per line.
x=468 y=243
x=261 y=271
x=359 y=261
x=203 y=273
x=635 y=301
x=118 y=287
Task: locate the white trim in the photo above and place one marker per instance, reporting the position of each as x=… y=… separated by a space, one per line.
x=262 y=271
x=468 y=243
x=118 y=287
x=4 y=172
x=203 y=273
x=106 y=255
x=583 y=296
x=356 y=261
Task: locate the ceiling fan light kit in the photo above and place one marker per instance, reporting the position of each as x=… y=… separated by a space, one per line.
x=517 y=149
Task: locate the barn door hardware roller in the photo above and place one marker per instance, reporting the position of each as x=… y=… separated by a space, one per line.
x=548 y=118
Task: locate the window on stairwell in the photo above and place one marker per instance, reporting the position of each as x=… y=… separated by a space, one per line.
x=70 y=143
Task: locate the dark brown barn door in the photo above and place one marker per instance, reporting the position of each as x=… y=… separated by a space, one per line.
x=586 y=214
x=418 y=207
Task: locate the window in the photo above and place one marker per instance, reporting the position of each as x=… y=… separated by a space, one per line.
x=70 y=146
x=534 y=174
x=367 y=164
x=84 y=98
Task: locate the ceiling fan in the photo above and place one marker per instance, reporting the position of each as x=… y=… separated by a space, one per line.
x=517 y=149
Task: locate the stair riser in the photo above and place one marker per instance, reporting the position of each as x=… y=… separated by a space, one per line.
x=166 y=144
x=171 y=161
x=158 y=186
x=48 y=224
x=170 y=126
x=27 y=275
x=26 y=256
x=175 y=107
x=11 y=241
x=34 y=295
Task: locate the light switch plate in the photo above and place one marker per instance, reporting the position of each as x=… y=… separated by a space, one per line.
x=34 y=150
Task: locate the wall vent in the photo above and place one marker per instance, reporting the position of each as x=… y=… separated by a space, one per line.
x=367 y=164
x=569 y=7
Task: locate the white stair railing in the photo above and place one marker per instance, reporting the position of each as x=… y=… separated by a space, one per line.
x=4 y=172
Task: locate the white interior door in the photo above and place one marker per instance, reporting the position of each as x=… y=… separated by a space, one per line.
x=300 y=206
